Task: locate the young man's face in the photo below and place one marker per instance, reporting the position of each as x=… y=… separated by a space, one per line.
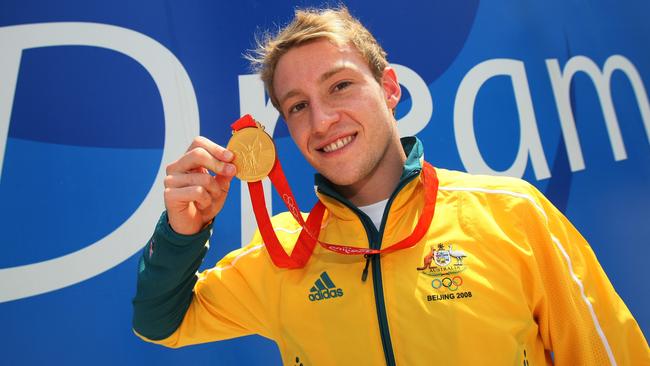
x=339 y=116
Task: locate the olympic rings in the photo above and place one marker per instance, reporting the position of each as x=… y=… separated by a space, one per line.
x=452 y=283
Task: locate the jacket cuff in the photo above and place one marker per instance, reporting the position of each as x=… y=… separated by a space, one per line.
x=165 y=231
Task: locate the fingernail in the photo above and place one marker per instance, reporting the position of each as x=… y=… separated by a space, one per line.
x=230 y=169
x=228 y=155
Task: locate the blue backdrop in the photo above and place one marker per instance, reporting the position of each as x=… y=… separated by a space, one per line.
x=97 y=97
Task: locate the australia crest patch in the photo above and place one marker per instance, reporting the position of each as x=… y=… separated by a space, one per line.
x=443 y=260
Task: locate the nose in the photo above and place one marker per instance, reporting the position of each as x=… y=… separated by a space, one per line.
x=323 y=116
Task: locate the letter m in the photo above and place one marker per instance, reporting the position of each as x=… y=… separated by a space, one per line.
x=561 y=83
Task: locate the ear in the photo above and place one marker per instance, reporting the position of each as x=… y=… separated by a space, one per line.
x=392 y=90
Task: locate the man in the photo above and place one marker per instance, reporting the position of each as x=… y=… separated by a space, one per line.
x=498 y=277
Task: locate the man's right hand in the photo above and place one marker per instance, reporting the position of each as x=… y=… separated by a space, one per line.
x=193 y=197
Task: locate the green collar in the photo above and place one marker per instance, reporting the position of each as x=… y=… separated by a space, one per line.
x=414 y=153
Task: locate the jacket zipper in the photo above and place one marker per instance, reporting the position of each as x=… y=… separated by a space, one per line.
x=364 y=274
x=380 y=306
x=375 y=238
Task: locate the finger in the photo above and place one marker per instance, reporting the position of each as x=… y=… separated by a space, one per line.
x=185 y=195
x=191 y=179
x=200 y=158
x=216 y=150
x=204 y=180
x=223 y=183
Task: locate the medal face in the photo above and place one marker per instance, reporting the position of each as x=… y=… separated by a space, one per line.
x=254 y=153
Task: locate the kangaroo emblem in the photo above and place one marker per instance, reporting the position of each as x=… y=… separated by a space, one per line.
x=427 y=259
x=439 y=258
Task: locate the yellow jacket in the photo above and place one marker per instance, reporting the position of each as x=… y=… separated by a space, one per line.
x=501 y=278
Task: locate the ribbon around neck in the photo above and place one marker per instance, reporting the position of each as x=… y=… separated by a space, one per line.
x=306 y=242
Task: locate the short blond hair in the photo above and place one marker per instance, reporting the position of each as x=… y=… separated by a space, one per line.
x=334 y=24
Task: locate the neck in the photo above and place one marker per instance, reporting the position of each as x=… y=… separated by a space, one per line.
x=381 y=182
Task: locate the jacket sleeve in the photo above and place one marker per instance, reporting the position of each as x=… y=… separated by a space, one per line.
x=166 y=277
x=176 y=306
x=581 y=318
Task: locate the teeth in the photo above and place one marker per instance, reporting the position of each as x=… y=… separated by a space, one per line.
x=337 y=144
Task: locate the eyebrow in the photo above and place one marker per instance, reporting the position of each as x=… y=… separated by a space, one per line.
x=326 y=75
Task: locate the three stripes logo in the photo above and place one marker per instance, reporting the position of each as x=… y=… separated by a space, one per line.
x=324 y=289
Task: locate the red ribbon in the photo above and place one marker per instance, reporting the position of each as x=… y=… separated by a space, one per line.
x=308 y=237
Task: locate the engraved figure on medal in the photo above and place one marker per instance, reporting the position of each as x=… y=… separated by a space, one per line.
x=254 y=153
x=249 y=155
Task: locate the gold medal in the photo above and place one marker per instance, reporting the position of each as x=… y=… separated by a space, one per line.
x=254 y=153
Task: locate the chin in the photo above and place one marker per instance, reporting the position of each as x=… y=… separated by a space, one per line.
x=338 y=179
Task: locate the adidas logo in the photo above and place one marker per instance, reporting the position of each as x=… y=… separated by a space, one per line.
x=324 y=289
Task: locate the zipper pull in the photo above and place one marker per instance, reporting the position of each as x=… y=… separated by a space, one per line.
x=364 y=275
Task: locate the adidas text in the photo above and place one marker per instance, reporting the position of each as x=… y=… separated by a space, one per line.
x=326 y=294
x=324 y=288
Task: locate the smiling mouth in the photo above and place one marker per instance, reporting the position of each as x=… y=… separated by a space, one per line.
x=338 y=144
